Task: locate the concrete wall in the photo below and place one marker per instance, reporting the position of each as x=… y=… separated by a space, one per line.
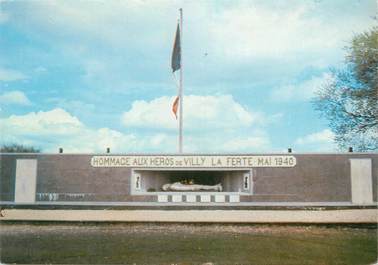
x=65 y=177
x=7 y=178
x=316 y=177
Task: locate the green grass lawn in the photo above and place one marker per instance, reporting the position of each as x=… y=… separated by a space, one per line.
x=186 y=244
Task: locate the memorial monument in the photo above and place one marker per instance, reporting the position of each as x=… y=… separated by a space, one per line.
x=349 y=178
x=194 y=180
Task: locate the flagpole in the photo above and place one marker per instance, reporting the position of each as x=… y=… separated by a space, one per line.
x=181 y=114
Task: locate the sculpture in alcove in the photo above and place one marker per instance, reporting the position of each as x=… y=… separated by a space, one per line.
x=178 y=186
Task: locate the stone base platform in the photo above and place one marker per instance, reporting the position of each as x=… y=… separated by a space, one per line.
x=305 y=214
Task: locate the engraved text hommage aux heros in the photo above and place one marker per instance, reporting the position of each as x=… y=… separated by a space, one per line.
x=198 y=161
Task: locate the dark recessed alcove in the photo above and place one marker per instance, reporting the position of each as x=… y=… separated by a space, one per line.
x=153 y=180
x=195 y=177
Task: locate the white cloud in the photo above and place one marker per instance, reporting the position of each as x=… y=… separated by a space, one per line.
x=301 y=91
x=55 y=122
x=236 y=31
x=318 y=141
x=279 y=30
x=211 y=124
x=200 y=113
x=112 y=22
x=159 y=139
x=238 y=141
x=11 y=75
x=40 y=69
x=323 y=136
x=58 y=128
x=286 y=37
x=14 y=97
x=245 y=39
x=250 y=144
x=3 y=16
x=75 y=106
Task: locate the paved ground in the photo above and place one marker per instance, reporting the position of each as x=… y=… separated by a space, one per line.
x=220 y=216
x=115 y=243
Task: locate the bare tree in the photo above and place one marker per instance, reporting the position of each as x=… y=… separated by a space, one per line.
x=349 y=100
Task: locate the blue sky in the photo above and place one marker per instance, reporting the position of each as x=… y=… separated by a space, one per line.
x=86 y=75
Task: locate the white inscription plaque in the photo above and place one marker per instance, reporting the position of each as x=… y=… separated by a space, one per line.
x=194 y=161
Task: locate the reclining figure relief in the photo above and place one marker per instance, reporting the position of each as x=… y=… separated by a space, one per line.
x=178 y=186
